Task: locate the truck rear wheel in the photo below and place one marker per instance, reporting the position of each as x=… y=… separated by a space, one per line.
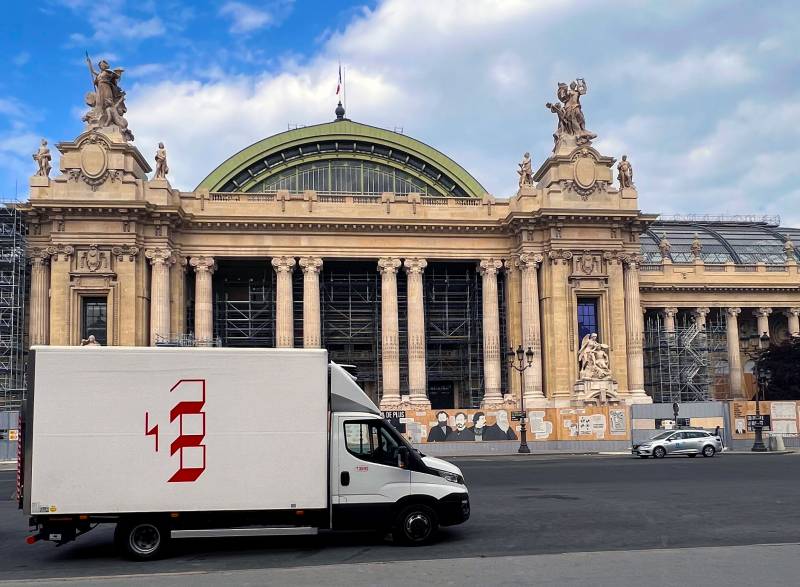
x=415 y=525
x=141 y=540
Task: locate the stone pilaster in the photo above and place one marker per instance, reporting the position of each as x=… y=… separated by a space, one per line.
x=634 y=333
x=491 y=332
x=40 y=296
x=203 y=300
x=762 y=317
x=793 y=321
x=417 y=377
x=160 y=261
x=177 y=290
x=62 y=331
x=284 y=310
x=531 y=327
x=700 y=315
x=312 y=325
x=390 y=338
x=669 y=319
x=618 y=326
x=734 y=354
x=560 y=355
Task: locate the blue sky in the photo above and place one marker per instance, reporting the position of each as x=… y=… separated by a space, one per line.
x=702 y=95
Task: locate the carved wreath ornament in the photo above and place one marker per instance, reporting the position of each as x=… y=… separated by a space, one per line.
x=584 y=180
x=94 y=170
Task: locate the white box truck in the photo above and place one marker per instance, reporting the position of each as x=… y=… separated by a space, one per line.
x=190 y=442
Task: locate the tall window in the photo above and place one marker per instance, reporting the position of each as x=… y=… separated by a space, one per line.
x=587 y=317
x=94 y=319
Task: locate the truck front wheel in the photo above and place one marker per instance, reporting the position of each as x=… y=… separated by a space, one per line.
x=415 y=525
x=141 y=540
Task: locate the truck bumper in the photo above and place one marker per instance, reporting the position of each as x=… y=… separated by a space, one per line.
x=453 y=509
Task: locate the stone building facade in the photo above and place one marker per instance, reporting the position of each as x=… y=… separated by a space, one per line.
x=243 y=259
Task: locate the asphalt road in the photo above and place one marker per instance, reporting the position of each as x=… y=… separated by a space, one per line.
x=520 y=506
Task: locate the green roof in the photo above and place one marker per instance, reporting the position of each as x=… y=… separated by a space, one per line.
x=243 y=163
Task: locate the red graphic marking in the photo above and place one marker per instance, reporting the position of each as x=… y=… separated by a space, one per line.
x=184 y=441
x=150 y=431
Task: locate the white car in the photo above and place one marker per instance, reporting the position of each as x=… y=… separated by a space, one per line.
x=679 y=442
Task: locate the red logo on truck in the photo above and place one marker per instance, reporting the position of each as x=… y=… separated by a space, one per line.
x=191 y=430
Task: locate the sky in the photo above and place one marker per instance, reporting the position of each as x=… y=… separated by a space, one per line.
x=703 y=95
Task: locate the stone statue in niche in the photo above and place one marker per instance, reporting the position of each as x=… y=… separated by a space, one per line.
x=525 y=171
x=43 y=158
x=625 y=173
x=593 y=358
x=162 y=169
x=571 y=121
x=697 y=246
x=107 y=101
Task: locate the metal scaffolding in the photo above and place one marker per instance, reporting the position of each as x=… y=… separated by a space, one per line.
x=13 y=280
x=685 y=365
x=244 y=308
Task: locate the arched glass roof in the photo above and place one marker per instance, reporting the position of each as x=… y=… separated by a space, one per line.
x=343 y=157
x=741 y=243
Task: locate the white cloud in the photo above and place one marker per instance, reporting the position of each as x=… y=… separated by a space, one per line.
x=247 y=19
x=110 y=22
x=21 y=58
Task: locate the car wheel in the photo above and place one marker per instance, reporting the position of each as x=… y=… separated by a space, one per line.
x=659 y=452
x=691 y=455
x=709 y=451
x=415 y=525
x=141 y=540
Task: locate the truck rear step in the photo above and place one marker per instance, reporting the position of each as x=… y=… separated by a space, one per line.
x=251 y=531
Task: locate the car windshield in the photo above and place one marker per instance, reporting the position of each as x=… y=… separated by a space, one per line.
x=663 y=435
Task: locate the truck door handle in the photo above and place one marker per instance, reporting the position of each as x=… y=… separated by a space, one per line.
x=345 y=478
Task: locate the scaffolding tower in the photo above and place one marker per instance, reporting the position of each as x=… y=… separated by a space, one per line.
x=687 y=364
x=13 y=279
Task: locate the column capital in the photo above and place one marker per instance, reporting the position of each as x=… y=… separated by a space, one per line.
x=283 y=264
x=415 y=265
x=762 y=312
x=671 y=312
x=388 y=265
x=733 y=311
x=789 y=312
x=701 y=312
x=490 y=266
x=38 y=256
x=122 y=251
x=528 y=261
x=558 y=255
x=631 y=262
x=159 y=256
x=61 y=251
x=203 y=264
x=310 y=264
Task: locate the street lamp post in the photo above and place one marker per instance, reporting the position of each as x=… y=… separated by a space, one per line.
x=520 y=360
x=762 y=377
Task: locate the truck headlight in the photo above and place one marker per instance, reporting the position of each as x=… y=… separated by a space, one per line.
x=451 y=477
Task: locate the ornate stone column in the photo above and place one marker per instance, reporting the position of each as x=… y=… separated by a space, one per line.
x=762 y=316
x=312 y=337
x=284 y=311
x=160 y=260
x=203 y=303
x=417 y=376
x=531 y=327
x=793 y=316
x=178 y=293
x=491 y=332
x=734 y=355
x=669 y=319
x=700 y=315
x=40 y=296
x=390 y=338
x=634 y=331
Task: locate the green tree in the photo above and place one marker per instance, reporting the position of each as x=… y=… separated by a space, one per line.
x=783 y=362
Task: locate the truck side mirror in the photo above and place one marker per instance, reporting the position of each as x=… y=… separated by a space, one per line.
x=402 y=457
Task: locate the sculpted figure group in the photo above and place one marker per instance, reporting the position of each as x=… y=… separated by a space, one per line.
x=107 y=101
x=571 y=121
x=593 y=358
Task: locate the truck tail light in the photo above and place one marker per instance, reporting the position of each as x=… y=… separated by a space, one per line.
x=32 y=539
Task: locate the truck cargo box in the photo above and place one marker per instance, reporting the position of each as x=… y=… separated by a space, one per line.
x=113 y=429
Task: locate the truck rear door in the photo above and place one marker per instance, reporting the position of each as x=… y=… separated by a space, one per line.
x=369 y=478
